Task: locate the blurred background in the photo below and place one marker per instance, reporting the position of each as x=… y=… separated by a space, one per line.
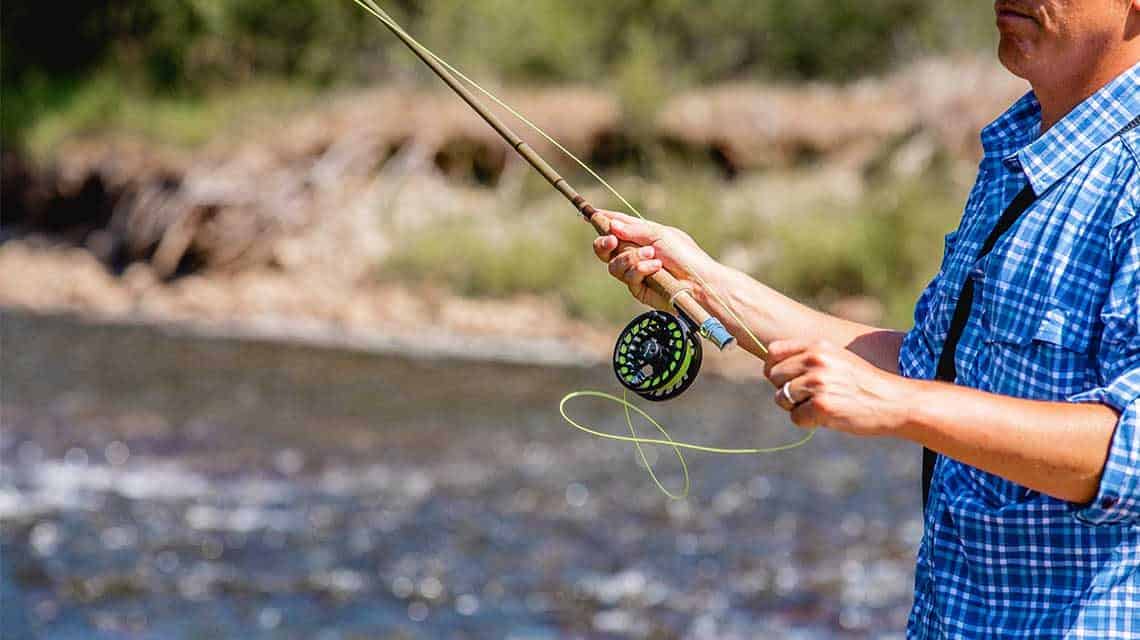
x=284 y=326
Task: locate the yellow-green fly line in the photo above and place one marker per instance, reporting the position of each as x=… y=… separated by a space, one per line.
x=638 y=441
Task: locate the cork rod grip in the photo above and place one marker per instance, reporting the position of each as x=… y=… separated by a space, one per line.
x=663 y=283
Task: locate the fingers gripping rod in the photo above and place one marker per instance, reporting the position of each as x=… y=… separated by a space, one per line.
x=662 y=282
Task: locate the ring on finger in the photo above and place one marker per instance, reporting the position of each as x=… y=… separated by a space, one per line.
x=786 y=391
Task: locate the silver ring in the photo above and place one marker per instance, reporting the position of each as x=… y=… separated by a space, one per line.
x=787 y=393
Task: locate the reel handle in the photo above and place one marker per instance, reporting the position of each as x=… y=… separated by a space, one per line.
x=666 y=285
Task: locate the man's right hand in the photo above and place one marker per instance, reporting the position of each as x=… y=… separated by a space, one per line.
x=660 y=247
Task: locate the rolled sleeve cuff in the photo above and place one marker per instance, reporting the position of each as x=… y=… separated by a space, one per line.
x=1118 y=497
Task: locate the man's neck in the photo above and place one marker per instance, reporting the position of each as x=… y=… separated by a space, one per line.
x=1060 y=96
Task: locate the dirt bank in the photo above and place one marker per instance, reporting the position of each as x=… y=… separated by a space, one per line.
x=283 y=225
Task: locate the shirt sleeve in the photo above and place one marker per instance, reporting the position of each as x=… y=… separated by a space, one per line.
x=1118 y=497
x=916 y=357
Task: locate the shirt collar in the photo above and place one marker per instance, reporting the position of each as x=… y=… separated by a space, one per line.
x=1045 y=159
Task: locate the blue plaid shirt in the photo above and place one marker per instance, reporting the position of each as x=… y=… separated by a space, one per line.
x=1056 y=317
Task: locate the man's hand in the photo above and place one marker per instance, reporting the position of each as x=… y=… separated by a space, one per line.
x=661 y=247
x=832 y=387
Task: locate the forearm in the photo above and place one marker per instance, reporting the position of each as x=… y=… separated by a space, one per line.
x=1056 y=448
x=770 y=315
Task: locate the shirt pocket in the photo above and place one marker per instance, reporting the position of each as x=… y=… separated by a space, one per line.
x=1045 y=352
x=1039 y=353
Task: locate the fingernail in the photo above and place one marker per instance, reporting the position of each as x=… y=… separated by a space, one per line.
x=645 y=252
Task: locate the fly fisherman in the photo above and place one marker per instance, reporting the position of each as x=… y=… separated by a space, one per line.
x=1021 y=375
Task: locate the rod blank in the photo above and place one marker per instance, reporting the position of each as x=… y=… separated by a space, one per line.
x=661 y=282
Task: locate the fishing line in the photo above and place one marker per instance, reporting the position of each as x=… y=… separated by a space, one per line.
x=683 y=374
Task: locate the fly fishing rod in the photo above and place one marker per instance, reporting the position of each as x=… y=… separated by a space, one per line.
x=658 y=355
x=693 y=315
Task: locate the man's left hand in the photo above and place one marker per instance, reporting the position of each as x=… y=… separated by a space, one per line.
x=835 y=388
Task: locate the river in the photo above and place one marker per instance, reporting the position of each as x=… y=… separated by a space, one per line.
x=159 y=484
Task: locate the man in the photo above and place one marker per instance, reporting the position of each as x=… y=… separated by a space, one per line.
x=1033 y=514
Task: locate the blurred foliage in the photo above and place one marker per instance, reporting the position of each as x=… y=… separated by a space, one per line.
x=98 y=56
x=182 y=49
x=886 y=246
x=99 y=105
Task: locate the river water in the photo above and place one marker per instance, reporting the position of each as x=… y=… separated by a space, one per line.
x=161 y=485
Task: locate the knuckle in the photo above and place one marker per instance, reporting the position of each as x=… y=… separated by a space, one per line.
x=776 y=350
x=819 y=358
x=822 y=404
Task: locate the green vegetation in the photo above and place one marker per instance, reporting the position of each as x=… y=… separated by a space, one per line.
x=99 y=106
x=886 y=246
x=537 y=248
x=180 y=71
x=63 y=61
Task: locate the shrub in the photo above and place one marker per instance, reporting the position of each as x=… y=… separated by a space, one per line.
x=643 y=47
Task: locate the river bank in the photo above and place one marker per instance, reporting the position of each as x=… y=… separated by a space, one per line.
x=394 y=215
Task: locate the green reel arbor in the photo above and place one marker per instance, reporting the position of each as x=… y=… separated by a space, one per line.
x=658 y=355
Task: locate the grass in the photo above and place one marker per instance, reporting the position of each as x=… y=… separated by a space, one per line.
x=541 y=248
x=117 y=62
x=103 y=106
x=887 y=245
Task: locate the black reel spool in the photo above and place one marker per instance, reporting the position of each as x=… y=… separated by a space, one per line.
x=658 y=355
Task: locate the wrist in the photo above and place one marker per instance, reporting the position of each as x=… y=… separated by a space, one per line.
x=713 y=276
x=907 y=417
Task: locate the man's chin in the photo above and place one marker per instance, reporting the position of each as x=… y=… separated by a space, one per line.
x=1014 y=57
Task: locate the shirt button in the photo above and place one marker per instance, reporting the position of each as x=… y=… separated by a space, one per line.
x=1108 y=502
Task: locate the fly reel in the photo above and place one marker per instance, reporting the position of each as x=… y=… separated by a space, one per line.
x=658 y=355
